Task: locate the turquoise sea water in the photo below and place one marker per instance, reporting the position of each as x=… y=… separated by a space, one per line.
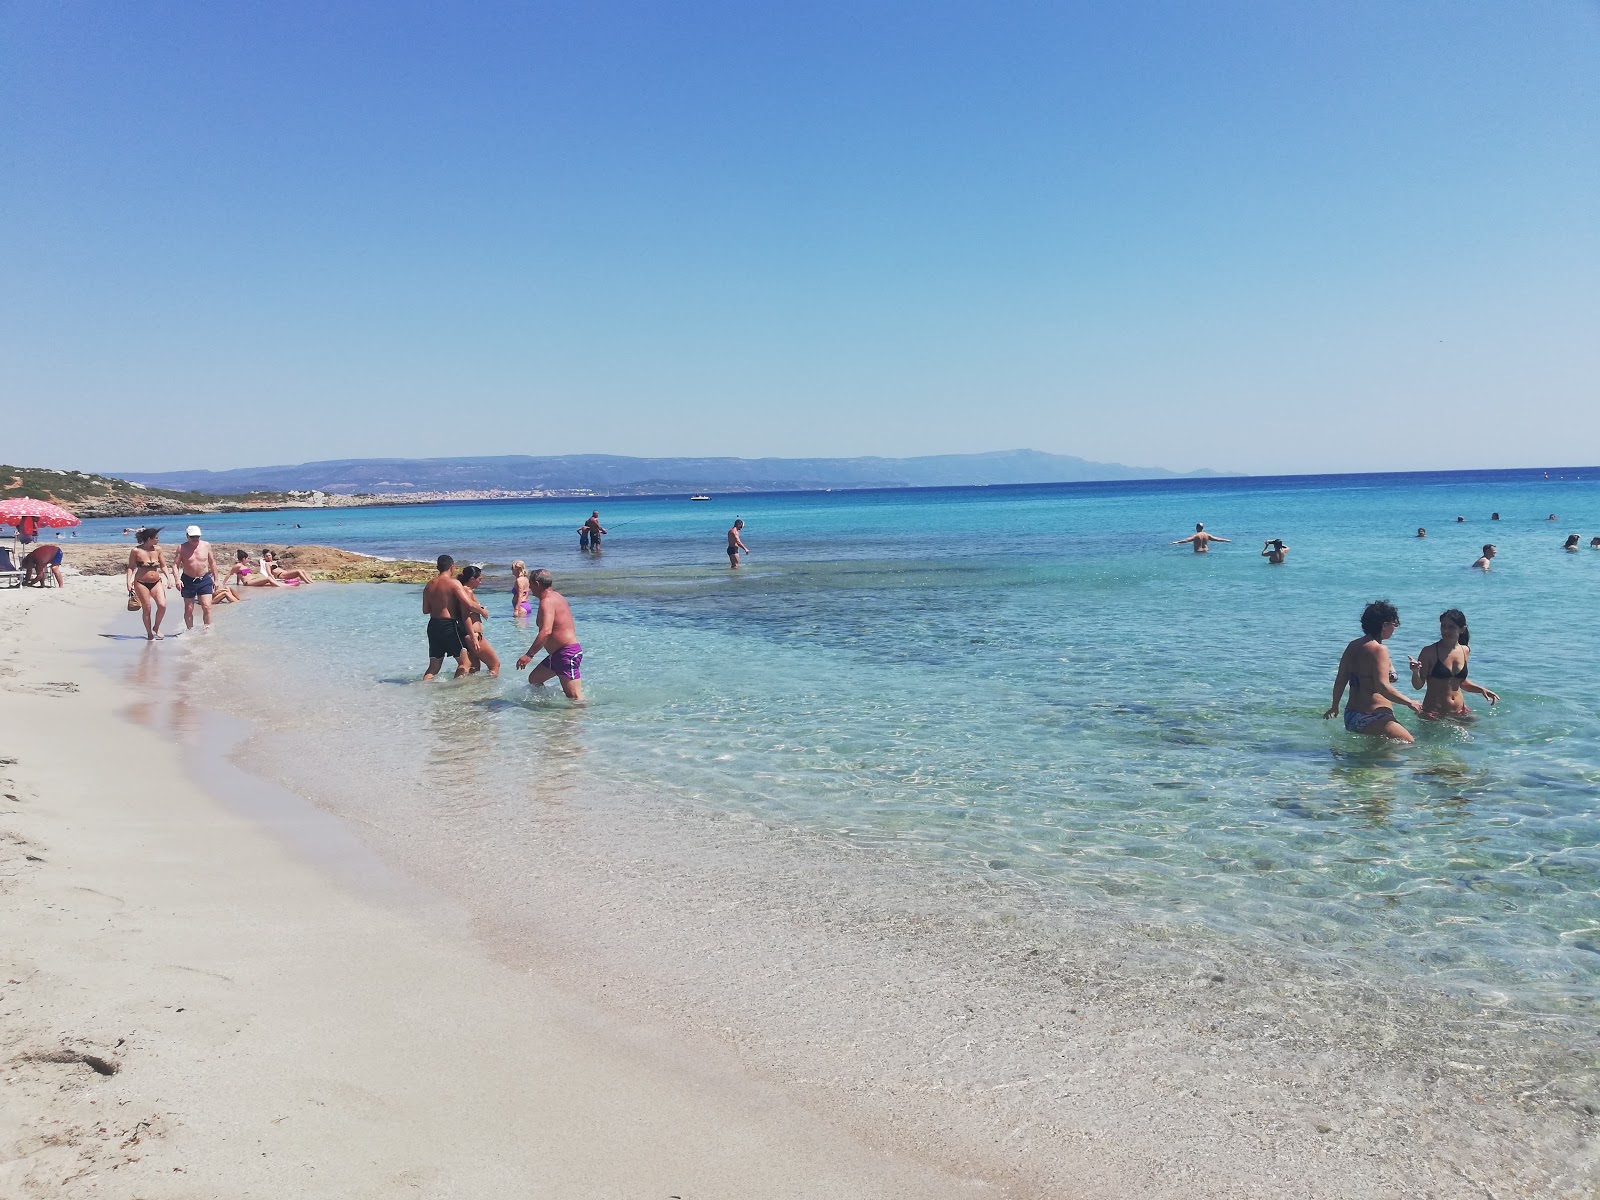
x=1032 y=686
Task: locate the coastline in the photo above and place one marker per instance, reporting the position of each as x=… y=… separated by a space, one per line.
x=1162 y=1079
x=271 y=1032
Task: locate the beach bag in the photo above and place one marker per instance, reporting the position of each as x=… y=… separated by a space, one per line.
x=133 y=603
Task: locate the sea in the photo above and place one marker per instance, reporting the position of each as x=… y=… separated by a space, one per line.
x=1025 y=693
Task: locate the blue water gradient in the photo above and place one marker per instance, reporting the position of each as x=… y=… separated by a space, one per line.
x=1032 y=685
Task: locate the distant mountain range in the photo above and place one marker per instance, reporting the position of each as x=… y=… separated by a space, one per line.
x=615 y=475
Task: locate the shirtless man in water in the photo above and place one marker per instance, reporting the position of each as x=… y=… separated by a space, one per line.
x=1201 y=539
x=557 y=637
x=447 y=603
x=736 y=544
x=197 y=571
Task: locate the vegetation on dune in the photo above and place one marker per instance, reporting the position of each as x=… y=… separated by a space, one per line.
x=102 y=495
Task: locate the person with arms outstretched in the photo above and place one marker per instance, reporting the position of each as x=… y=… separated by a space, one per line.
x=1201 y=539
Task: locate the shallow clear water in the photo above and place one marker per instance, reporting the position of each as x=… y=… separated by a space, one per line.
x=1031 y=685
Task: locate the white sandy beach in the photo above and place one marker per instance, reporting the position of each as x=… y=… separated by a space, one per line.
x=276 y=1035
x=280 y=1028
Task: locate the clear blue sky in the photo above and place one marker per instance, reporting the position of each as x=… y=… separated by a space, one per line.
x=1267 y=236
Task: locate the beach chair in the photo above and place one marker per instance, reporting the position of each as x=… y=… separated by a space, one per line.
x=10 y=570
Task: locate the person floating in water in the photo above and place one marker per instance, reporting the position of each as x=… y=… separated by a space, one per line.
x=1594 y=543
x=1488 y=557
x=1442 y=669
x=1494 y=516
x=1201 y=539
x=1365 y=669
x=558 y=637
x=447 y=602
x=1571 y=543
x=1421 y=532
x=521 y=606
x=736 y=544
x=1275 y=551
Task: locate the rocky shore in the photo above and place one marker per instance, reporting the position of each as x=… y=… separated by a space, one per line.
x=320 y=562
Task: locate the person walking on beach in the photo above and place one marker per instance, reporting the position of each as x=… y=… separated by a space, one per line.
x=197 y=574
x=1201 y=539
x=1486 y=558
x=557 y=637
x=1442 y=669
x=736 y=544
x=1275 y=551
x=1365 y=668
x=447 y=603
x=148 y=575
x=478 y=648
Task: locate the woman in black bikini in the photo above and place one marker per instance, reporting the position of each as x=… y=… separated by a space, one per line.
x=148 y=575
x=478 y=648
x=1364 y=668
x=1442 y=669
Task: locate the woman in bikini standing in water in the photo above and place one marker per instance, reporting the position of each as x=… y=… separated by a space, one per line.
x=1364 y=667
x=1442 y=669
x=148 y=576
x=478 y=648
x=521 y=604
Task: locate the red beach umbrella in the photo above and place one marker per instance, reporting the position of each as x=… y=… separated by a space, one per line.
x=51 y=515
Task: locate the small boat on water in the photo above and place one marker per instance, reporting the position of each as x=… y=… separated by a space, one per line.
x=699 y=497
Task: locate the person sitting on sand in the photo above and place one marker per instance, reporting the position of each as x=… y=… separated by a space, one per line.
x=1275 y=551
x=478 y=648
x=1442 y=669
x=37 y=561
x=1488 y=557
x=289 y=575
x=1365 y=668
x=1571 y=543
x=557 y=636
x=246 y=575
x=148 y=576
x=447 y=603
x=1201 y=539
x=521 y=605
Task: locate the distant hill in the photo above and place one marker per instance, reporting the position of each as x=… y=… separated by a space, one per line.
x=616 y=475
x=104 y=496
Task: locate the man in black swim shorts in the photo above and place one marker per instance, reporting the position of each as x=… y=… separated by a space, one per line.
x=447 y=602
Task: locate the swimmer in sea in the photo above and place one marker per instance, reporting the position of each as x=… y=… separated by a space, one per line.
x=1571 y=543
x=1488 y=556
x=1442 y=669
x=1365 y=668
x=1275 y=551
x=1421 y=532
x=1201 y=539
x=1594 y=543
x=521 y=605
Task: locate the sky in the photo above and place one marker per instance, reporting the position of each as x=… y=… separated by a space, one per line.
x=1270 y=237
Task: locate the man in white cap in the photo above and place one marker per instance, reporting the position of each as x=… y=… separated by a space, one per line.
x=197 y=573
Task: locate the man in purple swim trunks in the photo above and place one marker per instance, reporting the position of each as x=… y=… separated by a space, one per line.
x=557 y=637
